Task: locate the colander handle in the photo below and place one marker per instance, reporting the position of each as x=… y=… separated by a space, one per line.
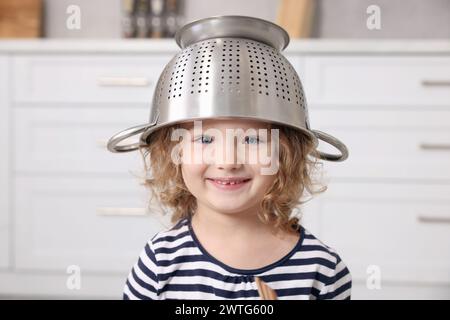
x=335 y=143
x=117 y=138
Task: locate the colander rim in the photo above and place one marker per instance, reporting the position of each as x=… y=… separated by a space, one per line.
x=145 y=135
x=201 y=30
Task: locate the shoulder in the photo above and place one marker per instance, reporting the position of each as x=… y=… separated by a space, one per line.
x=337 y=280
x=169 y=235
x=143 y=281
x=169 y=242
x=313 y=244
x=160 y=242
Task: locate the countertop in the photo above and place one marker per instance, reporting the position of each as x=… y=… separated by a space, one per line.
x=320 y=46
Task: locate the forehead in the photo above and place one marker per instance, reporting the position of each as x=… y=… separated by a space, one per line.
x=228 y=124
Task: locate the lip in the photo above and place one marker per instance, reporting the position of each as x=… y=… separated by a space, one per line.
x=229 y=178
x=229 y=187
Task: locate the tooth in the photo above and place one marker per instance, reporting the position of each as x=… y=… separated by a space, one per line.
x=229 y=182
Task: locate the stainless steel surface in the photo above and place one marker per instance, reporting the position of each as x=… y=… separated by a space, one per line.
x=222 y=73
x=233 y=27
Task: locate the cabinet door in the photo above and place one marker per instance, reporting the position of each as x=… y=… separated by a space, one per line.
x=399 y=231
x=72 y=140
x=377 y=81
x=4 y=162
x=388 y=144
x=102 y=78
x=95 y=223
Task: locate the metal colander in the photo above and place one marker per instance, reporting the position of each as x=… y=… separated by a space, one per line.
x=229 y=67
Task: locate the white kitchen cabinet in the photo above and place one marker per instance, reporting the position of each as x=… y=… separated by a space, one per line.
x=73 y=139
x=402 y=229
x=4 y=164
x=386 y=210
x=65 y=200
x=374 y=81
x=124 y=79
x=400 y=291
x=388 y=144
x=96 y=223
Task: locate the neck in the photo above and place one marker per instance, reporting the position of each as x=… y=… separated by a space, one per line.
x=244 y=225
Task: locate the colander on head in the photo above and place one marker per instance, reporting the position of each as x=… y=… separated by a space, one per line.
x=229 y=67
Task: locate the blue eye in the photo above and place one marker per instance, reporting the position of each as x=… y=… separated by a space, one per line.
x=203 y=138
x=255 y=139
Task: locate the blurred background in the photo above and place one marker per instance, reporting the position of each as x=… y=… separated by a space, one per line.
x=74 y=217
x=159 y=18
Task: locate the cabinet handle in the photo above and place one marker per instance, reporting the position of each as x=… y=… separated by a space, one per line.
x=123 y=82
x=436 y=83
x=431 y=219
x=113 y=211
x=434 y=146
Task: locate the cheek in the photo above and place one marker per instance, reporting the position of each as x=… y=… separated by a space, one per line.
x=263 y=181
x=267 y=180
x=192 y=173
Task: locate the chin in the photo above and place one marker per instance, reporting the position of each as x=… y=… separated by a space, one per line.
x=229 y=210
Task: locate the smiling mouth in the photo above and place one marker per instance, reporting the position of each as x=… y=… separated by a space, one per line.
x=224 y=182
x=229 y=185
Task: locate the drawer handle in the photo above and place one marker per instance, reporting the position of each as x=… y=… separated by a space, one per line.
x=434 y=146
x=431 y=219
x=112 y=211
x=436 y=83
x=123 y=82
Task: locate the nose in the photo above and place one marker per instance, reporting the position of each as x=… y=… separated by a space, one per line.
x=231 y=155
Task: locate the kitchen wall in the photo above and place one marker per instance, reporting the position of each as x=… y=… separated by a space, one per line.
x=333 y=19
x=400 y=19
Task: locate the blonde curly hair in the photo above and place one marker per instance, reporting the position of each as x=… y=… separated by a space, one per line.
x=295 y=175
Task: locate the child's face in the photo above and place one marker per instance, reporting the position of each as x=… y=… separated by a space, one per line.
x=228 y=158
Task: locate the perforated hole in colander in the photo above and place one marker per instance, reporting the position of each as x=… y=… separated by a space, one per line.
x=231 y=65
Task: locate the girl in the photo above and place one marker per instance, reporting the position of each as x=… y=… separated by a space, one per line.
x=225 y=235
x=233 y=217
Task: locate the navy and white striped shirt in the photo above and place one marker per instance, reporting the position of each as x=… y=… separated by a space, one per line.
x=174 y=265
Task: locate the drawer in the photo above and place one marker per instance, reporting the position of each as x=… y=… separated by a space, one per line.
x=98 y=224
x=400 y=291
x=370 y=81
x=73 y=139
x=400 y=232
x=95 y=78
x=388 y=144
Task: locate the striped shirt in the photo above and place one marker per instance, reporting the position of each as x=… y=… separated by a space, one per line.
x=174 y=265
